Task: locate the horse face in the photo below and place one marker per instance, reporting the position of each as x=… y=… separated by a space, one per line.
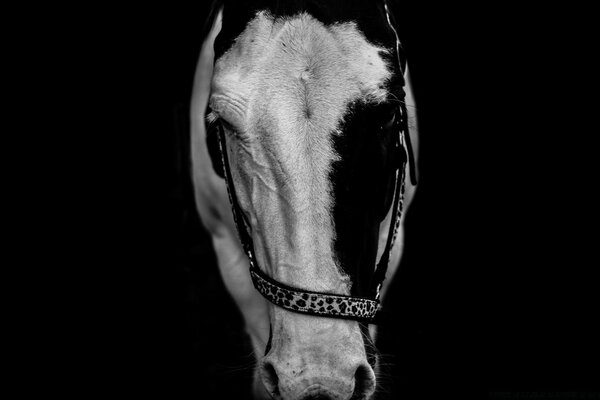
x=305 y=109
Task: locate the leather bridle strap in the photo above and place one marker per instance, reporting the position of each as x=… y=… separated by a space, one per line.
x=397 y=208
x=402 y=63
x=299 y=300
x=314 y=303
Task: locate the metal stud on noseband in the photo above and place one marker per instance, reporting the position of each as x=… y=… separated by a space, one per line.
x=363 y=309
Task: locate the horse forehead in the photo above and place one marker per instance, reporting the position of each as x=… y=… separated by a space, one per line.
x=296 y=70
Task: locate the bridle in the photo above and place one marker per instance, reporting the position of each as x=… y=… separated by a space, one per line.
x=359 y=308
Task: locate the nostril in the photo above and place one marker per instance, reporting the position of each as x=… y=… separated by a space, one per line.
x=269 y=378
x=364 y=382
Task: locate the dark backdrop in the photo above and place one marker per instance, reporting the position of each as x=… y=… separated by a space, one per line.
x=495 y=292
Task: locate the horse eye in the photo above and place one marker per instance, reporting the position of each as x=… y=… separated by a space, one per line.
x=226 y=127
x=232 y=132
x=390 y=121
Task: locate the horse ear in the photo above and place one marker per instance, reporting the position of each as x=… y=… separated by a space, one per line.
x=204 y=136
x=391 y=10
x=212 y=129
x=213 y=12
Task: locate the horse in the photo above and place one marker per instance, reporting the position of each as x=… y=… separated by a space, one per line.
x=304 y=145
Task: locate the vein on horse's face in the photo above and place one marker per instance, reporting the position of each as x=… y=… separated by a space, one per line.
x=286 y=85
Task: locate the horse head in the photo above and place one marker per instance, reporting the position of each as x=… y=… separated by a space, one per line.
x=306 y=117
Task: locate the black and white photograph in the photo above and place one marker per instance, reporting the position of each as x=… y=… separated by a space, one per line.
x=327 y=199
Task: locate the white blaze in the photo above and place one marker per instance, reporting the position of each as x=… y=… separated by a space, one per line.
x=285 y=86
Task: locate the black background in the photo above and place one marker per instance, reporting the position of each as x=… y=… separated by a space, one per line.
x=495 y=292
